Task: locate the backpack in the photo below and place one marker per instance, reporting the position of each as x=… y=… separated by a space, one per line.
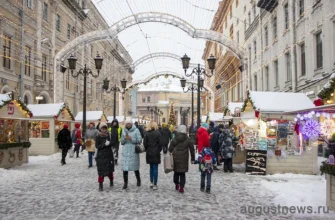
x=73 y=135
x=208 y=161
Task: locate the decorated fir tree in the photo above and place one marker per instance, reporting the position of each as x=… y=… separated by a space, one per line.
x=172 y=118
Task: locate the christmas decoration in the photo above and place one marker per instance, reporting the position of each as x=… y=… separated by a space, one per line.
x=296 y=128
x=326 y=92
x=172 y=118
x=318 y=102
x=327 y=168
x=11 y=145
x=327 y=127
x=256 y=113
x=246 y=102
x=311 y=129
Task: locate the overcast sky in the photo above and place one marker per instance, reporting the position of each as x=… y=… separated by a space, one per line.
x=160 y=37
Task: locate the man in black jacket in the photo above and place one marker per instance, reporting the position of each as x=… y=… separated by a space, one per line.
x=166 y=137
x=140 y=128
x=64 y=142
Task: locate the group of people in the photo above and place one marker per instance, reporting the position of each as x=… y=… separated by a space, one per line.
x=102 y=143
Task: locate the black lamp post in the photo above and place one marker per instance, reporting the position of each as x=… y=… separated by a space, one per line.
x=115 y=89
x=85 y=72
x=198 y=71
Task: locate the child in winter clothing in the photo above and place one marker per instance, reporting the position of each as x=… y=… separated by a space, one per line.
x=206 y=161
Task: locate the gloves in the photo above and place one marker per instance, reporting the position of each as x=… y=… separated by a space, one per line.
x=107 y=143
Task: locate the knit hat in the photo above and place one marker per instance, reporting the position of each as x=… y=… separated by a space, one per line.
x=128 y=121
x=65 y=126
x=182 y=129
x=211 y=124
x=77 y=125
x=205 y=125
x=92 y=122
x=102 y=124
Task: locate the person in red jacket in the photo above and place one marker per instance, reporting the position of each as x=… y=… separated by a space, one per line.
x=203 y=137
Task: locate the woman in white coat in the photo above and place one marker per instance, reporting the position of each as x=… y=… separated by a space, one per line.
x=130 y=159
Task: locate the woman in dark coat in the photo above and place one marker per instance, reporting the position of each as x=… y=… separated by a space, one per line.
x=152 y=145
x=179 y=147
x=105 y=155
x=64 y=142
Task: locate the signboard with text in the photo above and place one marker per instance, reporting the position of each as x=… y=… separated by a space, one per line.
x=255 y=162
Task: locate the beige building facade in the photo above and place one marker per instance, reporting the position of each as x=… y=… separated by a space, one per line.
x=49 y=25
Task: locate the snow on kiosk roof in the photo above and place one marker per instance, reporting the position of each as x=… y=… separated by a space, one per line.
x=53 y=110
x=9 y=99
x=277 y=101
x=91 y=116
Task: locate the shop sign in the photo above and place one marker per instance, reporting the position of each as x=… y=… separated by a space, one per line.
x=256 y=162
x=10 y=108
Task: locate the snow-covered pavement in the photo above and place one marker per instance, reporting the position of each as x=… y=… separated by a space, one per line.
x=43 y=189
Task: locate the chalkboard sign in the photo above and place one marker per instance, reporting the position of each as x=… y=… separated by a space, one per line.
x=255 y=162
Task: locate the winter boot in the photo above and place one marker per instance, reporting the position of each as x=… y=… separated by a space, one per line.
x=155 y=187
x=202 y=189
x=216 y=168
x=225 y=168
x=151 y=185
x=125 y=185
x=138 y=177
x=177 y=187
x=116 y=162
x=208 y=191
x=230 y=168
x=181 y=189
x=111 y=183
x=101 y=188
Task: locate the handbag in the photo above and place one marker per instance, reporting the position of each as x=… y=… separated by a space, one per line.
x=139 y=148
x=168 y=163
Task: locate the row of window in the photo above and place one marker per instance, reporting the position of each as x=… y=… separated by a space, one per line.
x=27 y=58
x=302 y=57
x=58 y=27
x=146 y=100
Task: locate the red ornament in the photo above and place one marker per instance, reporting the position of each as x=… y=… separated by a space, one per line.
x=296 y=128
x=318 y=102
x=256 y=113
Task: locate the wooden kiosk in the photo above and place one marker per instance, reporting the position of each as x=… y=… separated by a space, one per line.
x=14 y=141
x=271 y=131
x=47 y=121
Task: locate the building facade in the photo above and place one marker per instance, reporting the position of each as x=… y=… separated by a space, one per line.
x=162 y=97
x=290 y=44
x=49 y=25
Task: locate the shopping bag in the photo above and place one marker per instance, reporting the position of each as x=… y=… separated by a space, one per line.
x=168 y=163
x=71 y=151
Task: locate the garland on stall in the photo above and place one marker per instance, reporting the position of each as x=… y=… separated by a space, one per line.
x=68 y=109
x=246 y=102
x=11 y=145
x=327 y=168
x=24 y=107
x=326 y=92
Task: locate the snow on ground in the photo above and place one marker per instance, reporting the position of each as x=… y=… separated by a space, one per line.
x=43 y=189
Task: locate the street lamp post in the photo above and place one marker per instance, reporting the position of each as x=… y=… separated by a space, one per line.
x=115 y=89
x=85 y=72
x=199 y=71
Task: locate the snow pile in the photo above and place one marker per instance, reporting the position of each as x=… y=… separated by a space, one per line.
x=45 y=110
x=280 y=101
x=4 y=98
x=90 y=116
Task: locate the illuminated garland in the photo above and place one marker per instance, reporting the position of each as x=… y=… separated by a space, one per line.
x=325 y=93
x=246 y=103
x=11 y=145
x=68 y=109
x=21 y=104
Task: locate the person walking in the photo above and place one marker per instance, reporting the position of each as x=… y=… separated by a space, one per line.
x=115 y=131
x=76 y=138
x=140 y=128
x=166 y=137
x=90 y=138
x=206 y=161
x=64 y=142
x=179 y=147
x=215 y=145
x=202 y=137
x=105 y=156
x=153 y=148
x=211 y=127
x=130 y=159
x=226 y=141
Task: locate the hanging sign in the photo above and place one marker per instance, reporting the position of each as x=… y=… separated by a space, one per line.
x=255 y=162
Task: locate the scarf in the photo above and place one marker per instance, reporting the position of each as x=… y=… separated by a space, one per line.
x=103 y=134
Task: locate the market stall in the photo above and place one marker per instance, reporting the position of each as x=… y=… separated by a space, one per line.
x=47 y=121
x=94 y=116
x=14 y=141
x=269 y=130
